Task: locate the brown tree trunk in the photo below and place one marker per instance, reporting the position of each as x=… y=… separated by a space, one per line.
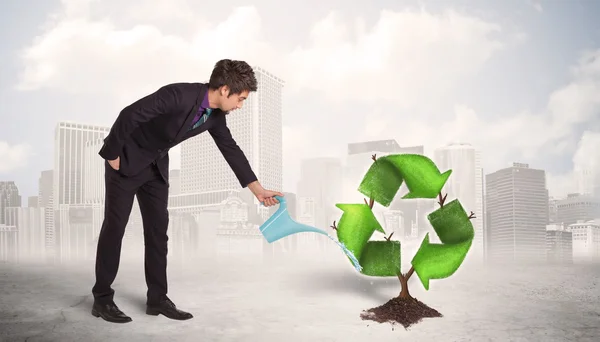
x=404 y=294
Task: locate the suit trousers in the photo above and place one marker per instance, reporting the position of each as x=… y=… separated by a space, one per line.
x=152 y=192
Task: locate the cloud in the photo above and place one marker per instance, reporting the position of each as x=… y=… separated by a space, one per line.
x=537 y=5
x=401 y=62
x=521 y=136
x=586 y=163
x=13 y=156
x=578 y=102
x=407 y=57
x=80 y=55
x=585 y=175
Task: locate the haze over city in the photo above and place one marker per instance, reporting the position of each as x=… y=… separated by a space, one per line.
x=506 y=95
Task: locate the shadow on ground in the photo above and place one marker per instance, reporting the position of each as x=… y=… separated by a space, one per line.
x=324 y=282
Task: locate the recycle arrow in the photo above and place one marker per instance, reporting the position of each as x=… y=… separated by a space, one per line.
x=377 y=258
x=455 y=231
x=385 y=176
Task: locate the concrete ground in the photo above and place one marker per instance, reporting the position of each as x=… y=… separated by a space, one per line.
x=314 y=300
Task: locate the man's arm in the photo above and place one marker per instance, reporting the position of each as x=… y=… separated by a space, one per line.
x=161 y=102
x=231 y=151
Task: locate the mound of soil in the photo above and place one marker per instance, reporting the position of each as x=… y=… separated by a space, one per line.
x=402 y=311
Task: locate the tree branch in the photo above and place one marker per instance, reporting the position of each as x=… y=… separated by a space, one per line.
x=334 y=226
x=406 y=275
x=370 y=203
x=472 y=216
x=404 y=293
x=441 y=199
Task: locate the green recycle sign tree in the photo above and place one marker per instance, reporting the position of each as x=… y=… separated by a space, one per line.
x=382 y=258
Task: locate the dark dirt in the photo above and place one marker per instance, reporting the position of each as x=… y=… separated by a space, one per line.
x=402 y=311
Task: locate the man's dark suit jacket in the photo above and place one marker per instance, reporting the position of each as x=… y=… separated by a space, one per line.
x=144 y=131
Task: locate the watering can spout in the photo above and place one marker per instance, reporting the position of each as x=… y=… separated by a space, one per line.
x=280 y=224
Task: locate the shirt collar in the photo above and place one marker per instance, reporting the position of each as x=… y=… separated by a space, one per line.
x=205 y=103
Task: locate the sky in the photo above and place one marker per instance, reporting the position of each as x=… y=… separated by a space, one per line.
x=518 y=79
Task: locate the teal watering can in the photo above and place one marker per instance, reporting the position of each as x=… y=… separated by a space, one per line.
x=280 y=225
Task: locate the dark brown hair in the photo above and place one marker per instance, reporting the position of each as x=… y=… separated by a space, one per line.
x=237 y=75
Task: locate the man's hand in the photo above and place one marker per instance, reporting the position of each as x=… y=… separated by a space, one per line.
x=115 y=164
x=267 y=197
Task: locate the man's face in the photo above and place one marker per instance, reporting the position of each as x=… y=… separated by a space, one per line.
x=231 y=102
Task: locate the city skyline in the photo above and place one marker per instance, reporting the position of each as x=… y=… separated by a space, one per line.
x=584 y=183
x=289 y=156
x=491 y=76
x=82 y=200
x=503 y=93
x=583 y=180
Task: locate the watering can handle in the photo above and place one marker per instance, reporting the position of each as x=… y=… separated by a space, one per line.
x=279 y=198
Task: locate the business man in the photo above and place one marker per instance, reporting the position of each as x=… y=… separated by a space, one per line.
x=137 y=164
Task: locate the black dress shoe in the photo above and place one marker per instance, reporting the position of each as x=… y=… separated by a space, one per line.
x=109 y=312
x=168 y=309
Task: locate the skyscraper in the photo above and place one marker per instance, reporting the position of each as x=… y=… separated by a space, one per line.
x=45 y=201
x=577 y=207
x=587 y=178
x=69 y=160
x=257 y=129
x=31 y=236
x=465 y=184
x=32 y=201
x=319 y=189
x=174 y=182
x=9 y=197
x=93 y=174
x=69 y=176
x=517 y=210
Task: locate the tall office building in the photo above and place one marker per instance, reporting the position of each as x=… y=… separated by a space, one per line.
x=9 y=197
x=32 y=201
x=174 y=182
x=69 y=176
x=45 y=201
x=577 y=207
x=559 y=244
x=320 y=179
x=31 y=236
x=319 y=189
x=517 y=213
x=9 y=249
x=257 y=129
x=93 y=175
x=69 y=160
x=552 y=210
x=587 y=178
x=465 y=184
x=586 y=241
x=79 y=225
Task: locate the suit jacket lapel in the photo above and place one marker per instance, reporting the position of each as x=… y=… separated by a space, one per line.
x=202 y=89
